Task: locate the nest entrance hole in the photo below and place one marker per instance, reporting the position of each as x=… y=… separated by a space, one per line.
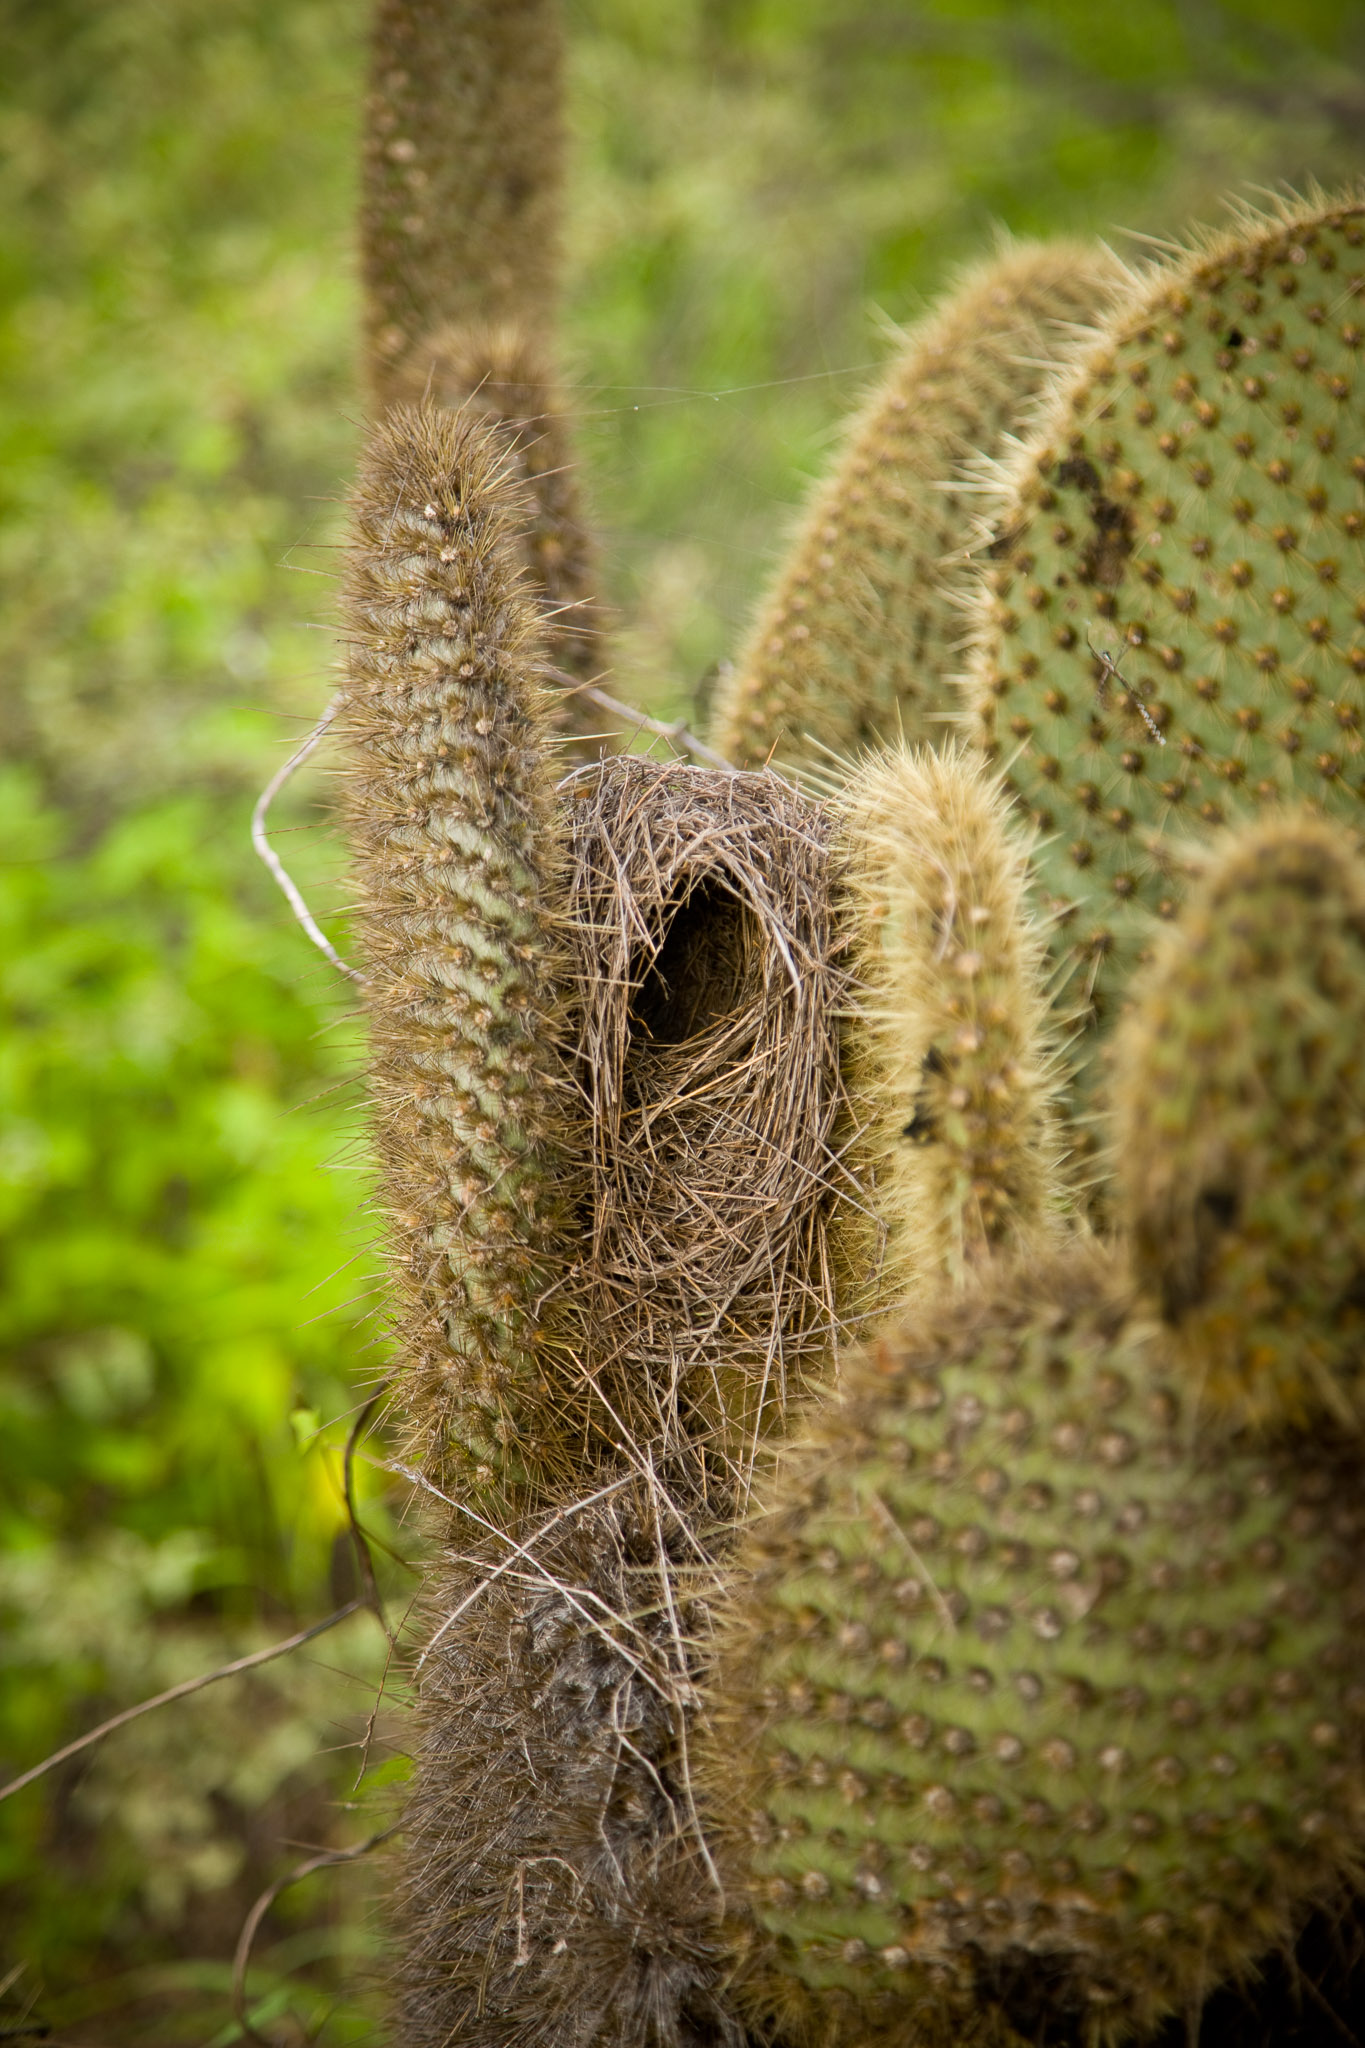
x=703 y=970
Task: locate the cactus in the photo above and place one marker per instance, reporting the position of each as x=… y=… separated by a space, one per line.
x=1239 y=1093
x=462 y=172
x=847 y=647
x=459 y=229
x=1172 y=633
x=456 y=855
x=949 y=1062
x=1043 y=1682
x=1050 y=1683
x=554 y=1884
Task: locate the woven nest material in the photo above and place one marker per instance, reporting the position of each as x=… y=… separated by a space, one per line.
x=709 y=987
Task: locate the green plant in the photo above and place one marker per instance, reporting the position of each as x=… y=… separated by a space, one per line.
x=950 y=1059
x=952 y=1048
x=458 y=865
x=1048 y=1677
x=1172 y=633
x=460 y=239
x=849 y=647
x=1237 y=1124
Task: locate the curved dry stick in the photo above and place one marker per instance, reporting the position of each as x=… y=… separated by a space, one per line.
x=179 y=1692
x=272 y=860
x=251 y=1925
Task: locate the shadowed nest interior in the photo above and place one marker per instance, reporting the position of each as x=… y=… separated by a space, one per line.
x=709 y=987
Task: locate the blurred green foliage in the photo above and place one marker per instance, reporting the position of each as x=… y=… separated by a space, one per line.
x=763 y=190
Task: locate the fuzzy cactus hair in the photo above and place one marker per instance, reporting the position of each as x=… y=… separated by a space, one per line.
x=457 y=865
x=949 y=1057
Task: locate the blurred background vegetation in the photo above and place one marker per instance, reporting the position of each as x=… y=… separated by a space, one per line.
x=764 y=191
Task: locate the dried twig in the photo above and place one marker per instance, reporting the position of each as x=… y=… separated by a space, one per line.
x=359 y=1540
x=515 y=1550
x=251 y=1925
x=179 y=1692
x=677 y=732
x=272 y=859
x=707 y=970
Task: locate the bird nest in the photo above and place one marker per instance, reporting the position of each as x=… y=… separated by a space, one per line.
x=709 y=987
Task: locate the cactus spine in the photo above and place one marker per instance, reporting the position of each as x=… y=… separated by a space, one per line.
x=864 y=619
x=1240 y=1118
x=948 y=1059
x=457 y=867
x=1173 y=632
x=460 y=222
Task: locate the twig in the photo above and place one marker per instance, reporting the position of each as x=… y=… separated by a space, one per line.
x=515 y=1550
x=272 y=859
x=677 y=732
x=364 y=1559
x=251 y=1925
x=179 y=1692
x=681 y=1702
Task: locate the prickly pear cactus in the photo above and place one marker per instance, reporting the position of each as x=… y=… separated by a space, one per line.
x=849 y=646
x=950 y=1058
x=1172 y=630
x=1239 y=1126
x=1050 y=1685
x=1047 y=1698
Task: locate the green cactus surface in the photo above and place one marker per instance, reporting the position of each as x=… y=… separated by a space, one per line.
x=1048 y=1702
x=851 y=644
x=1240 y=1121
x=457 y=866
x=1172 y=630
x=948 y=1061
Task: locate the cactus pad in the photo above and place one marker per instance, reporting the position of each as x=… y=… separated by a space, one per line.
x=853 y=642
x=1039 y=1689
x=949 y=1059
x=1172 y=632
x=1241 y=1126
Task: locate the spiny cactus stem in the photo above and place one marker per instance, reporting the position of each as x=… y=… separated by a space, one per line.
x=457 y=866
